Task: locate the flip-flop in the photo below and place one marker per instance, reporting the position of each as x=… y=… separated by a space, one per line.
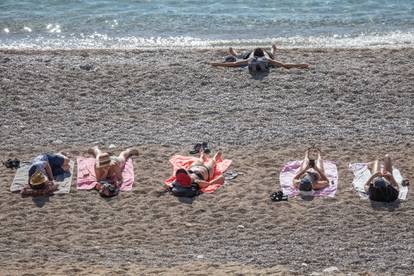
x=278 y=196
x=196 y=149
x=206 y=150
x=182 y=178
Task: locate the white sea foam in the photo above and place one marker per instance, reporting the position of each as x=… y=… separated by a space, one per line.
x=103 y=41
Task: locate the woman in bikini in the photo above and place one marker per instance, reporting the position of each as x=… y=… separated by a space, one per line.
x=109 y=167
x=201 y=172
x=382 y=186
x=311 y=175
x=256 y=53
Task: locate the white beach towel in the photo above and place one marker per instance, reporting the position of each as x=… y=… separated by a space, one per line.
x=362 y=174
x=22 y=178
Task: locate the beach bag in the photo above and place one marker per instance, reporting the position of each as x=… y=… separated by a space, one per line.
x=258 y=65
x=179 y=190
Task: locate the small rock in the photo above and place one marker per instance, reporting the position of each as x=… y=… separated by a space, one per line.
x=112 y=146
x=6 y=59
x=331 y=269
x=57 y=142
x=87 y=67
x=240 y=226
x=200 y=256
x=304 y=264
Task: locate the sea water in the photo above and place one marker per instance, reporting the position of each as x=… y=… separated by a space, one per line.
x=129 y=24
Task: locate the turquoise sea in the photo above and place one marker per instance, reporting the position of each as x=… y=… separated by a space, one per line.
x=128 y=24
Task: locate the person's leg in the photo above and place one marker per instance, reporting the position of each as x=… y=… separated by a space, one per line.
x=123 y=156
x=305 y=161
x=387 y=164
x=233 y=52
x=376 y=167
x=319 y=162
x=273 y=50
x=211 y=164
x=95 y=151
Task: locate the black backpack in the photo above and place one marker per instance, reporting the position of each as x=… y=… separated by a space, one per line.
x=179 y=190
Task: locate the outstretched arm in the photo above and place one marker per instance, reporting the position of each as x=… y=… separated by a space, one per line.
x=288 y=65
x=230 y=64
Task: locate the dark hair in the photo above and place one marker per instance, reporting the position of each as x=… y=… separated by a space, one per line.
x=385 y=193
x=258 y=52
x=305 y=185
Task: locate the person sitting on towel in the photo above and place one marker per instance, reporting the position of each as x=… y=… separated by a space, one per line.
x=201 y=172
x=311 y=175
x=47 y=166
x=231 y=61
x=109 y=167
x=382 y=186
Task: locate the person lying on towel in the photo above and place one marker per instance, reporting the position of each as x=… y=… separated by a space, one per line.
x=382 y=186
x=109 y=167
x=201 y=172
x=46 y=167
x=311 y=175
x=259 y=55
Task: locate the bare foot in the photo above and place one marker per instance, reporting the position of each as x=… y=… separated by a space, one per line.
x=133 y=152
x=93 y=150
x=218 y=156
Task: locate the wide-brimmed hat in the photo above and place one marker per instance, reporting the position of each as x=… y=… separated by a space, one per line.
x=103 y=160
x=38 y=178
x=182 y=178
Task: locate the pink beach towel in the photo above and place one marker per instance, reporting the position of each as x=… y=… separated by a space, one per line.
x=291 y=169
x=87 y=178
x=185 y=162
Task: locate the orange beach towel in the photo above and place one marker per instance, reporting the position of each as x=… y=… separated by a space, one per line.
x=185 y=162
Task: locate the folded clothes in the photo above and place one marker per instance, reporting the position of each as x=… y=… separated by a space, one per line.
x=362 y=174
x=86 y=179
x=63 y=181
x=185 y=162
x=292 y=168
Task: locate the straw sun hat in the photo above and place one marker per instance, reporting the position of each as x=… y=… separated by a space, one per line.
x=103 y=161
x=38 y=178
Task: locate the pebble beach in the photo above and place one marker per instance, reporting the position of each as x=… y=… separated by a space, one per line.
x=355 y=104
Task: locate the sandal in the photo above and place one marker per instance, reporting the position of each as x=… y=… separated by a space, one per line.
x=206 y=150
x=196 y=149
x=278 y=196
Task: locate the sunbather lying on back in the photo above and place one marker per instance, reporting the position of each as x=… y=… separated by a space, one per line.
x=261 y=55
x=109 y=167
x=382 y=186
x=45 y=167
x=311 y=175
x=200 y=172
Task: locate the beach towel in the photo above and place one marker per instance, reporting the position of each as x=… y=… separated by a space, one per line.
x=185 y=162
x=292 y=168
x=87 y=179
x=63 y=181
x=362 y=174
